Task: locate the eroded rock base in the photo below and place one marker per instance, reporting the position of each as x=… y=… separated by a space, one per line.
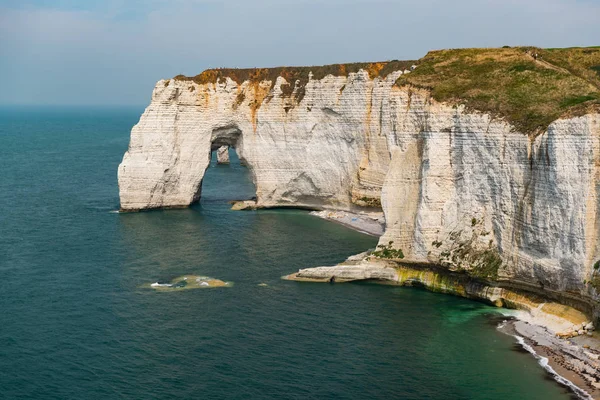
x=561 y=320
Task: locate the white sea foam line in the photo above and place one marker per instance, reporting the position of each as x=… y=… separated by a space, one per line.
x=543 y=361
x=156 y=284
x=502 y=324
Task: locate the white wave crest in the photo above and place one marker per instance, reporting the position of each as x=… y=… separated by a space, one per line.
x=543 y=361
x=156 y=284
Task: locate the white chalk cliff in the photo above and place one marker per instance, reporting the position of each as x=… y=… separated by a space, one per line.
x=440 y=173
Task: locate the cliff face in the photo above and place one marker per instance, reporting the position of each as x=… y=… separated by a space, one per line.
x=459 y=188
x=327 y=152
x=464 y=181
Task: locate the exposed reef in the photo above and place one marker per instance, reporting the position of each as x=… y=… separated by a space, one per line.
x=541 y=309
x=187 y=282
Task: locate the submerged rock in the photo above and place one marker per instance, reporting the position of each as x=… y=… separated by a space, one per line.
x=189 y=282
x=244 y=205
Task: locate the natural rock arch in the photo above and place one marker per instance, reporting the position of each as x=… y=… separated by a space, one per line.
x=226 y=136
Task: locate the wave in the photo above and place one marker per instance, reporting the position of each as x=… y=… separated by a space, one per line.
x=543 y=361
x=156 y=284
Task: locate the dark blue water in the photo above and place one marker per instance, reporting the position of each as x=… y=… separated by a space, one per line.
x=75 y=322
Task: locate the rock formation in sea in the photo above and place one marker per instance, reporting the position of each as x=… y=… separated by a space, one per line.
x=223 y=155
x=485 y=162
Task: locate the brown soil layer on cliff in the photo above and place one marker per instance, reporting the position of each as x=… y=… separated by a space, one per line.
x=239 y=75
x=296 y=77
x=528 y=87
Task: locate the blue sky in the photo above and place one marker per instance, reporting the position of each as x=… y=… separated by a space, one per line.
x=113 y=51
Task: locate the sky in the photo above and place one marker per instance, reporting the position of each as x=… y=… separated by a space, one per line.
x=112 y=52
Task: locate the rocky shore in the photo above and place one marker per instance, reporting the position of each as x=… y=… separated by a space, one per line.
x=560 y=337
x=572 y=365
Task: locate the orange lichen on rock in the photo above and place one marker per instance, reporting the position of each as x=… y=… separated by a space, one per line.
x=374 y=69
x=259 y=90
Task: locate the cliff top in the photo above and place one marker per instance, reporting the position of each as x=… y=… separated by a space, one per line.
x=239 y=75
x=296 y=76
x=527 y=86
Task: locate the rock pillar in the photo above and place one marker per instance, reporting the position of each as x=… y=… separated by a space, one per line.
x=223 y=155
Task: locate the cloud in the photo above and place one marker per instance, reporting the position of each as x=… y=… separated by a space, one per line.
x=113 y=51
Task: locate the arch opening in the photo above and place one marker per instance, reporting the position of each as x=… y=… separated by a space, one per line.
x=226 y=136
x=224 y=182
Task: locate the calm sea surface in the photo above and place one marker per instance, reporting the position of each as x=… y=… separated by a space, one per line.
x=76 y=323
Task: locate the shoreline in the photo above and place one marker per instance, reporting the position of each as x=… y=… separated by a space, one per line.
x=570 y=365
x=370 y=223
x=575 y=366
x=560 y=337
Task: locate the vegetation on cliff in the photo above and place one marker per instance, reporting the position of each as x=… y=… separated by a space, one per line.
x=529 y=87
x=366 y=201
x=470 y=251
x=388 y=251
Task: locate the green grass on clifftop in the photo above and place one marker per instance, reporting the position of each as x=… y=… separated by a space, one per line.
x=510 y=83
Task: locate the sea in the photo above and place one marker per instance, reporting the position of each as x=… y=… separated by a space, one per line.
x=78 y=319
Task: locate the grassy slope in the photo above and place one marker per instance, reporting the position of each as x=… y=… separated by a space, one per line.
x=507 y=82
x=510 y=83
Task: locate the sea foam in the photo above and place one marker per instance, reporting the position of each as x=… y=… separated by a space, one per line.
x=543 y=361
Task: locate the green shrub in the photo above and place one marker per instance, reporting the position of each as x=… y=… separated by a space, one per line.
x=466 y=253
x=369 y=202
x=387 y=251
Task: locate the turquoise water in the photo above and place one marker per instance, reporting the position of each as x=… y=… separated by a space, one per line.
x=76 y=323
